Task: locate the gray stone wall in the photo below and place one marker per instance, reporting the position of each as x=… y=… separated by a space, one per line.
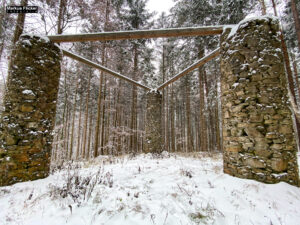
x=30 y=104
x=153 y=128
x=258 y=135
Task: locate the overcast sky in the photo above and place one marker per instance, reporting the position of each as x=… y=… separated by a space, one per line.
x=160 y=5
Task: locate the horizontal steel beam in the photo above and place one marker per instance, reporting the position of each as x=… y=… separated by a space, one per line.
x=197 y=64
x=103 y=68
x=138 y=34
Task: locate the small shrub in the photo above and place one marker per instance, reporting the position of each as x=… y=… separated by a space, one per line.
x=185 y=172
x=80 y=188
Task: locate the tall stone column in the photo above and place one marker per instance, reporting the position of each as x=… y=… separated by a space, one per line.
x=27 y=121
x=258 y=134
x=153 y=127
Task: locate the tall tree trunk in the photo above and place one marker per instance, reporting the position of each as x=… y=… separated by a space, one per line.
x=119 y=118
x=103 y=119
x=56 y=148
x=207 y=108
x=73 y=120
x=198 y=133
x=217 y=110
x=263 y=7
x=79 y=129
x=298 y=90
x=115 y=120
x=290 y=75
x=107 y=136
x=172 y=112
x=2 y=36
x=163 y=105
x=86 y=114
x=68 y=131
x=202 y=78
x=88 y=152
x=65 y=111
x=133 y=144
x=165 y=112
x=20 y=23
x=189 y=138
x=296 y=19
x=178 y=125
x=97 y=129
x=183 y=127
x=167 y=121
x=62 y=7
x=296 y=76
x=17 y=33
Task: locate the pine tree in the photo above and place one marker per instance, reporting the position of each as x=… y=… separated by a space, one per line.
x=137 y=17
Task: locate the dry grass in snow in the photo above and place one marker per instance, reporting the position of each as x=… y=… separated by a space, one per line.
x=174 y=189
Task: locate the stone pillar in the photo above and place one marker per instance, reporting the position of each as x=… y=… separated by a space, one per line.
x=153 y=128
x=27 y=121
x=258 y=135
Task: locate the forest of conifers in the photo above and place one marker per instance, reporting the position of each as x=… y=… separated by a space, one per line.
x=98 y=111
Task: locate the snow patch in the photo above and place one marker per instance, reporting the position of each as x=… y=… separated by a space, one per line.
x=245 y=21
x=28 y=92
x=146 y=190
x=43 y=38
x=26 y=42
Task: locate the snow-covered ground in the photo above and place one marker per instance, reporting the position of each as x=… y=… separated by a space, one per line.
x=146 y=190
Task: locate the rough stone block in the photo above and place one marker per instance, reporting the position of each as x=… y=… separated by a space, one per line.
x=255 y=163
x=279 y=165
x=31 y=95
x=253 y=132
x=258 y=106
x=154 y=141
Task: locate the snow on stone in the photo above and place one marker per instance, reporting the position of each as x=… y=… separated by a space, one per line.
x=233 y=31
x=42 y=37
x=12 y=125
x=27 y=42
x=235 y=85
x=244 y=22
x=172 y=190
x=153 y=90
x=28 y=92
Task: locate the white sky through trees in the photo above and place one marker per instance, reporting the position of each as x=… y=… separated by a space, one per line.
x=160 y=6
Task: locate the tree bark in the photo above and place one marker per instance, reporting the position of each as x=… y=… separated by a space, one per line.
x=62 y=5
x=202 y=78
x=97 y=129
x=73 y=120
x=290 y=76
x=296 y=19
x=78 y=130
x=263 y=7
x=163 y=113
x=189 y=138
x=103 y=120
x=86 y=116
x=2 y=36
x=68 y=131
x=133 y=144
x=17 y=33
x=88 y=153
x=20 y=23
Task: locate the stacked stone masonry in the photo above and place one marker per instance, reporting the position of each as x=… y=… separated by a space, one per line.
x=30 y=105
x=258 y=134
x=153 y=140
